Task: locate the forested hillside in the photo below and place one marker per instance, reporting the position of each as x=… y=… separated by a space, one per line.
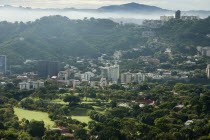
x=58 y=37
x=190 y=32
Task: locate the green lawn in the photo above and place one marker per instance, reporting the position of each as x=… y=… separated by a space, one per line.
x=99 y=109
x=80 y=111
x=84 y=119
x=57 y=101
x=36 y=115
x=81 y=114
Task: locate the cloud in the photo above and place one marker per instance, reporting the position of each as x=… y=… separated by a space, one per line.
x=167 y=4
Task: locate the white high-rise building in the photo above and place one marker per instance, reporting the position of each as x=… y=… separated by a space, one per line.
x=3 y=64
x=112 y=73
x=126 y=77
x=138 y=77
x=208 y=71
x=105 y=72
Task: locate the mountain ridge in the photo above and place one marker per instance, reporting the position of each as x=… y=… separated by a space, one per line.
x=128 y=7
x=133 y=7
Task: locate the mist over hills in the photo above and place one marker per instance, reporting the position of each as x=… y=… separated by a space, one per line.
x=129 y=8
x=126 y=11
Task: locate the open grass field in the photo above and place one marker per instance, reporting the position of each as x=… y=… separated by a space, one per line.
x=36 y=115
x=58 y=101
x=80 y=111
x=84 y=119
x=99 y=109
x=81 y=114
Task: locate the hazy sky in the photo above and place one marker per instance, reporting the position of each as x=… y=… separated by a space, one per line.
x=167 y=4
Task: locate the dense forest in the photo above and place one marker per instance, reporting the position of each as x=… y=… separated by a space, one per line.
x=189 y=32
x=58 y=37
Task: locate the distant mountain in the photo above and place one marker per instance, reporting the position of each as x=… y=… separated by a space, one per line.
x=132 y=7
x=129 y=8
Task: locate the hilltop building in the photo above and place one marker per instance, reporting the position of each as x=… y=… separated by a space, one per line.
x=190 y=17
x=178 y=14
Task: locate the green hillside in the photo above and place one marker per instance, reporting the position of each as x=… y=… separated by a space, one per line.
x=186 y=32
x=57 y=37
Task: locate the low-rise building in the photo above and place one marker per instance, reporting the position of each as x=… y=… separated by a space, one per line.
x=103 y=82
x=24 y=85
x=87 y=76
x=149 y=59
x=76 y=83
x=31 y=85
x=128 y=77
x=203 y=51
x=190 y=17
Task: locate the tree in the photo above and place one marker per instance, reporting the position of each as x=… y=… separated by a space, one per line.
x=51 y=135
x=1 y=125
x=81 y=134
x=36 y=128
x=72 y=99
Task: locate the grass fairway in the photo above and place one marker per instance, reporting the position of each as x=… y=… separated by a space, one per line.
x=99 y=109
x=80 y=111
x=36 y=115
x=84 y=119
x=58 y=101
x=81 y=114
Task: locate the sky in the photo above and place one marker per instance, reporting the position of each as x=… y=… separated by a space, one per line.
x=91 y=4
